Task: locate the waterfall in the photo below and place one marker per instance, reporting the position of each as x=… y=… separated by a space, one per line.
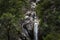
x=36 y=22
x=31 y=21
x=35 y=29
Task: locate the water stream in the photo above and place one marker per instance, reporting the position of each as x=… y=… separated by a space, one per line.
x=30 y=17
x=35 y=29
x=36 y=22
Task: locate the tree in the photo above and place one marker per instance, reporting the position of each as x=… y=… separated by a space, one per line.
x=49 y=13
x=10 y=15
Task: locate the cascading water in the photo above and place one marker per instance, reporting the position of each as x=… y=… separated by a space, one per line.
x=35 y=29
x=31 y=18
x=36 y=22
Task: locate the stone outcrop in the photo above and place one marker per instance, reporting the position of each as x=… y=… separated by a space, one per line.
x=28 y=22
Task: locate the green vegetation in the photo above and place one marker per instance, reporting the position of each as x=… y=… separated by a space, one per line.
x=10 y=15
x=49 y=14
x=11 y=12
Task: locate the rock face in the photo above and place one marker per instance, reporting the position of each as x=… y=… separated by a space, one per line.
x=29 y=24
